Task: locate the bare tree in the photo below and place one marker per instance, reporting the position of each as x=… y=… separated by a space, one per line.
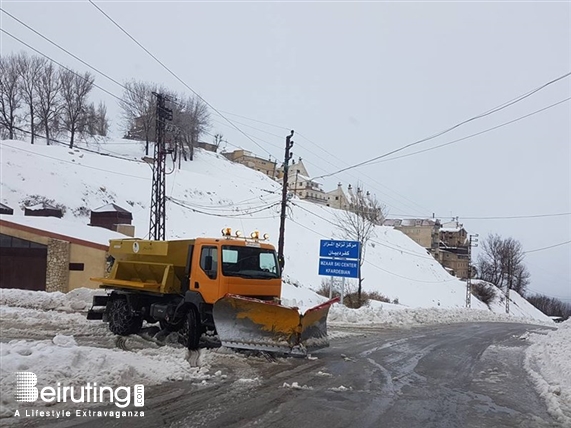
x=30 y=70
x=191 y=119
x=75 y=89
x=501 y=263
x=217 y=140
x=94 y=120
x=102 y=121
x=139 y=105
x=10 y=94
x=49 y=98
x=358 y=221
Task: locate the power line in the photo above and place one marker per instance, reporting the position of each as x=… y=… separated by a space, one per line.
x=62 y=48
x=473 y=135
x=369 y=178
x=376 y=266
x=489 y=112
x=515 y=217
x=74 y=163
x=549 y=295
x=371 y=240
x=176 y=76
x=493 y=217
x=102 y=73
x=242 y=215
x=58 y=63
x=330 y=163
x=127 y=89
x=259 y=121
x=547 y=248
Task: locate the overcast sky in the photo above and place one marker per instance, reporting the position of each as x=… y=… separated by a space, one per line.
x=355 y=81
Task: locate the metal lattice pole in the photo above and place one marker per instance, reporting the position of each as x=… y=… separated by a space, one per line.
x=472 y=243
x=157 y=223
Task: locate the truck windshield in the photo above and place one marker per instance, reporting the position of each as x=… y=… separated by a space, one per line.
x=249 y=262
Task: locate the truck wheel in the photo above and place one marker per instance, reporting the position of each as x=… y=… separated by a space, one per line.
x=122 y=321
x=190 y=332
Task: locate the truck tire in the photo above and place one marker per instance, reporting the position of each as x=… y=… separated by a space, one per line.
x=190 y=331
x=122 y=321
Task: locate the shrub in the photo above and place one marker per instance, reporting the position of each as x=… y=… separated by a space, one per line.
x=375 y=295
x=351 y=297
x=484 y=292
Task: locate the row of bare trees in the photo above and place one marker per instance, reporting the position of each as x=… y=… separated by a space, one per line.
x=190 y=117
x=551 y=306
x=37 y=96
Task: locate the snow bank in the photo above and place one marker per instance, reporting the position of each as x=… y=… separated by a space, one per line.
x=61 y=360
x=399 y=317
x=548 y=361
x=76 y=300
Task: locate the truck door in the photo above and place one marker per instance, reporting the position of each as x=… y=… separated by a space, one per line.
x=205 y=275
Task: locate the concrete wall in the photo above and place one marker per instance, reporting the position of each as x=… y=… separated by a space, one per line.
x=94 y=261
x=422 y=235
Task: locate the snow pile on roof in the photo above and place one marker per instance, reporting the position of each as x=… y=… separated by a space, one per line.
x=109 y=208
x=548 y=361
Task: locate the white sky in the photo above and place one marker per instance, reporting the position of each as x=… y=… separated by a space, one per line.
x=359 y=80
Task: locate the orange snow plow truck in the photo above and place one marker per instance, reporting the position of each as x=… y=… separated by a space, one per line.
x=230 y=286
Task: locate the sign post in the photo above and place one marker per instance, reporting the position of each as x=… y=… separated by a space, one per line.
x=339 y=259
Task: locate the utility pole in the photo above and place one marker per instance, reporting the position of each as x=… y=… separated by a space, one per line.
x=157 y=223
x=287 y=158
x=473 y=243
x=509 y=285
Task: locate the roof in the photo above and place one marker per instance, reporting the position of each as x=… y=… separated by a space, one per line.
x=109 y=208
x=451 y=229
x=42 y=206
x=397 y=222
x=5 y=208
x=82 y=234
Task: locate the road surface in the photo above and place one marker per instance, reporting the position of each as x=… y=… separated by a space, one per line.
x=459 y=375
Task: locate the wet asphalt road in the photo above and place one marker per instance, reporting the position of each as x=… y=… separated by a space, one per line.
x=460 y=375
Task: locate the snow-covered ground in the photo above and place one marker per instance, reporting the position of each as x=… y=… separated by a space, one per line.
x=548 y=361
x=210 y=193
x=48 y=332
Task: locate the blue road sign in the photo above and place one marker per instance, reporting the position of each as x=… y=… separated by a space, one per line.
x=339 y=249
x=333 y=267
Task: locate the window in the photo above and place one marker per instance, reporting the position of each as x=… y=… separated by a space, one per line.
x=249 y=262
x=76 y=266
x=20 y=243
x=7 y=241
x=209 y=261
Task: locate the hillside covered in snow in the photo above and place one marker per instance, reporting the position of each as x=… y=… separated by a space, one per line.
x=210 y=193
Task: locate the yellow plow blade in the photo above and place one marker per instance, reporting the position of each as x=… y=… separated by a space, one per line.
x=247 y=323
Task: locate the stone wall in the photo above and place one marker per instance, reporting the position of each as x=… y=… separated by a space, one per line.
x=57 y=273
